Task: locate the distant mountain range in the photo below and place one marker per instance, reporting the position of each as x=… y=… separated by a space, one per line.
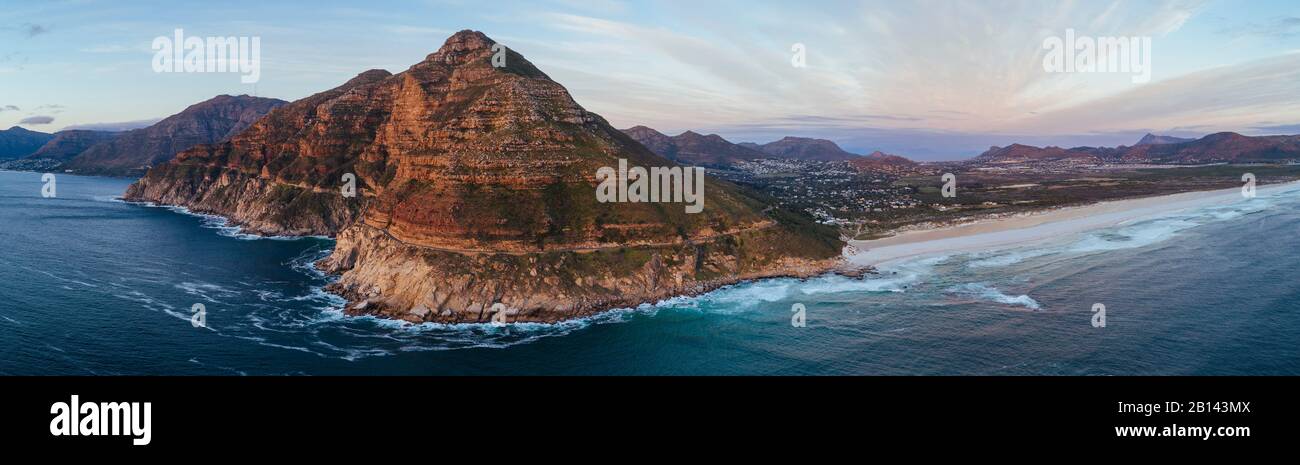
x=132 y=152
x=208 y=122
x=1218 y=147
x=692 y=148
x=68 y=144
x=17 y=142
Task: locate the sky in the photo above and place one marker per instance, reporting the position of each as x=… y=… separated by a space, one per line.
x=931 y=80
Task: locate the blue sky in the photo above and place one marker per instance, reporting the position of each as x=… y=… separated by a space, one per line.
x=926 y=79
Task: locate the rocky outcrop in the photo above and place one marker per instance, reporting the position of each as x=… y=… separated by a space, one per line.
x=207 y=122
x=382 y=275
x=475 y=189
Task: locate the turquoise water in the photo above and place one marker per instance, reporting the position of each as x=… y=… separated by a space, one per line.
x=93 y=285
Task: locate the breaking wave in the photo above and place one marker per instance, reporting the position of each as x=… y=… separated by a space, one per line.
x=312 y=320
x=982 y=291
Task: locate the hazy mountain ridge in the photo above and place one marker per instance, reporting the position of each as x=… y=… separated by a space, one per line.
x=712 y=150
x=17 y=142
x=69 y=143
x=692 y=148
x=1217 y=147
x=132 y=152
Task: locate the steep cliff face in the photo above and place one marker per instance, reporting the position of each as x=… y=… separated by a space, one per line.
x=476 y=185
x=210 y=121
x=281 y=175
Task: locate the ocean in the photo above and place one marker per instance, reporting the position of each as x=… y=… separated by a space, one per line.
x=93 y=285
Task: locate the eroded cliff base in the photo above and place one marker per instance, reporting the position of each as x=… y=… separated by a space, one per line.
x=382 y=276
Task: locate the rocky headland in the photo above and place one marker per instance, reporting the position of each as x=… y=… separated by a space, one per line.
x=475 y=198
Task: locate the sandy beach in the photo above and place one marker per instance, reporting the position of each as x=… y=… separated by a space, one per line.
x=1030 y=227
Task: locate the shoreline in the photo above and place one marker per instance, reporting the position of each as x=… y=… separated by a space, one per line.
x=361 y=306
x=983 y=234
x=1006 y=232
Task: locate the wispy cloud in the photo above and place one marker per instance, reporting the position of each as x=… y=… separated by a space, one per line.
x=37 y=120
x=113 y=48
x=1278 y=28
x=120 y=126
x=32 y=30
x=1227 y=97
x=961 y=70
x=932 y=76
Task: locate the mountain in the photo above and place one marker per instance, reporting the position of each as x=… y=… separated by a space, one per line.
x=206 y=122
x=691 y=148
x=1218 y=147
x=1152 y=139
x=880 y=161
x=69 y=143
x=476 y=186
x=804 y=148
x=1019 y=153
x=17 y=142
x=656 y=141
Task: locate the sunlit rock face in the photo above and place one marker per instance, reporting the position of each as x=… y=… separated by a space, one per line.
x=475 y=197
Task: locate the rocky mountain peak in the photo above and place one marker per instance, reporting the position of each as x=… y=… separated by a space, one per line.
x=476 y=185
x=643 y=129
x=367 y=77
x=473 y=50
x=1152 y=139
